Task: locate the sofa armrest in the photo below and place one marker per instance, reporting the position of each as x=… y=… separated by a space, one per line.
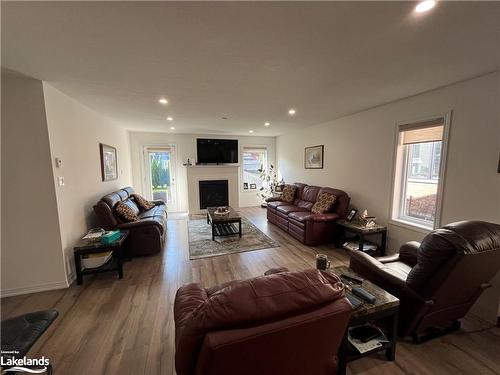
x=159 y=202
x=319 y=218
x=187 y=299
x=408 y=253
x=374 y=270
x=139 y=224
x=273 y=199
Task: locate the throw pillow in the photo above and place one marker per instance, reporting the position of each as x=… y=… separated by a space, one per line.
x=143 y=202
x=288 y=194
x=125 y=212
x=324 y=203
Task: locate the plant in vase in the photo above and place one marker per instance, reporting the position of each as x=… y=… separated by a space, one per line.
x=270 y=183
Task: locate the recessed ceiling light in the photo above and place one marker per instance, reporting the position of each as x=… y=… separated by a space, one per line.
x=163 y=101
x=424 y=6
x=291 y=111
x=250 y=131
x=170 y=118
x=172 y=128
x=267 y=124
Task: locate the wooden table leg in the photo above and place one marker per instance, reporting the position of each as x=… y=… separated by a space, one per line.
x=342 y=356
x=392 y=330
x=361 y=242
x=383 y=245
x=213 y=233
x=239 y=227
x=119 y=262
x=78 y=269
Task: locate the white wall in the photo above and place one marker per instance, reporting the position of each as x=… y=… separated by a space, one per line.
x=31 y=245
x=185 y=145
x=75 y=132
x=359 y=156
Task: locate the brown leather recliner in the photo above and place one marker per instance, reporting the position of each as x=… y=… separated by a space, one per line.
x=147 y=235
x=282 y=323
x=438 y=280
x=297 y=219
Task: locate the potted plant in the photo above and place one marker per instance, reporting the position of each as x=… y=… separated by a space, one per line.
x=270 y=184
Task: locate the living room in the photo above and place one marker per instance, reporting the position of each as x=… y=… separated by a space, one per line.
x=320 y=124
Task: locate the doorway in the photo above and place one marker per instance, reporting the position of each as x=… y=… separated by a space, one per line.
x=160 y=175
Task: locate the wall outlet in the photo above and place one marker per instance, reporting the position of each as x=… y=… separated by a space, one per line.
x=58 y=163
x=60 y=181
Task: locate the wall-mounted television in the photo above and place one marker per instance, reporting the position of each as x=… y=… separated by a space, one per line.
x=217 y=151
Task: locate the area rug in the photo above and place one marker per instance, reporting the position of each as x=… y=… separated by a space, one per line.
x=202 y=246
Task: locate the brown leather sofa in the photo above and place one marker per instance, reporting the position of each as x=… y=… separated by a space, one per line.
x=297 y=219
x=282 y=323
x=438 y=280
x=147 y=235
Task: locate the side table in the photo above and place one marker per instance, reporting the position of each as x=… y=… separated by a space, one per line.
x=115 y=263
x=362 y=232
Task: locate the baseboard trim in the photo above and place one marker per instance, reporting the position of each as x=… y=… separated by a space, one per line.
x=33 y=289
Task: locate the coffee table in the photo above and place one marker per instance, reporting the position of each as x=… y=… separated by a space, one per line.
x=223 y=225
x=384 y=312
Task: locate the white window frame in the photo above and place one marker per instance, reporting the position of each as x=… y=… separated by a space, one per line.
x=400 y=167
x=246 y=148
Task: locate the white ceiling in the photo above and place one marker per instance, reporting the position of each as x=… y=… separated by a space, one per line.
x=248 y=61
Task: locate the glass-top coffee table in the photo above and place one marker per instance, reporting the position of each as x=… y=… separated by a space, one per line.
x=224 y=224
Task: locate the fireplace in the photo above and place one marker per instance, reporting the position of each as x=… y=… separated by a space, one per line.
x=213 y=193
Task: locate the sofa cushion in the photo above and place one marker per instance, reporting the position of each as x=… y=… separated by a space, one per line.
x=324 y=204
x=300 y=216
x=125 y=212
x=308 y=197
x=289 y=192
x=288 y=209
x=111 y=199
x=143 y=202
x=276 y=204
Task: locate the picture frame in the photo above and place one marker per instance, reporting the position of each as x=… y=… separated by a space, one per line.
x=352 y=214
x=313 y=157
x=253 y=186
x=245 y=186
x=109 y=162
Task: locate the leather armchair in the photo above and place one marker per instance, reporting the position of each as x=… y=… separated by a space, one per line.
x=280 y=323
x=438 y=280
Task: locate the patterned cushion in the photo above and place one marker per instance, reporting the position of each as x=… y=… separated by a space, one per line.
x=143 y=202
x=125 y=212
x=324 y=203
x=288 y=194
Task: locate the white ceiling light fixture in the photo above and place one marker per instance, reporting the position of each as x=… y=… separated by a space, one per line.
x=291 y=112
x=172 y=128
x=170 y=118
x=163 y=101
x=267 y=123
x=425 y=6
x=250 y=131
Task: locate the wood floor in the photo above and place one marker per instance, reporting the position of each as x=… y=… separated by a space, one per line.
x=110 y=326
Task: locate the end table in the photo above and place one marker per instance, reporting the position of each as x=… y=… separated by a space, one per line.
x=115 y=263
x=362 y=232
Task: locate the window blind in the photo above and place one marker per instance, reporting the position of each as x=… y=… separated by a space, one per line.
x=422 y=132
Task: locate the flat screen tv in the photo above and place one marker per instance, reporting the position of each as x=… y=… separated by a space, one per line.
x=217 y=151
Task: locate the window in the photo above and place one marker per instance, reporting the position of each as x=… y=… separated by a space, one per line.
x=418 y=177
x=254 y=159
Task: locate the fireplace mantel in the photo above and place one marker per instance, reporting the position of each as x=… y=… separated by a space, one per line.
x=197 y=173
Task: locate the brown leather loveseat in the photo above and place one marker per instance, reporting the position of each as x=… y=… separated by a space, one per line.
x=282 y=323
x=297 y=219
x=147 y=234
x=438 y=280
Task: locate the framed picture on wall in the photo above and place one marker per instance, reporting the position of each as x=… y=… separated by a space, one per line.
x=109 y=164
x=253 y=186
x=245 y=185
x=313 y=157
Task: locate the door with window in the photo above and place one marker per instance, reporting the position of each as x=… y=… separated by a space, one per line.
x=159 y=176
x=254 y=161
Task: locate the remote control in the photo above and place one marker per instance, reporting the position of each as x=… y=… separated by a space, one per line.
x=363 y=294
x=353 y=278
